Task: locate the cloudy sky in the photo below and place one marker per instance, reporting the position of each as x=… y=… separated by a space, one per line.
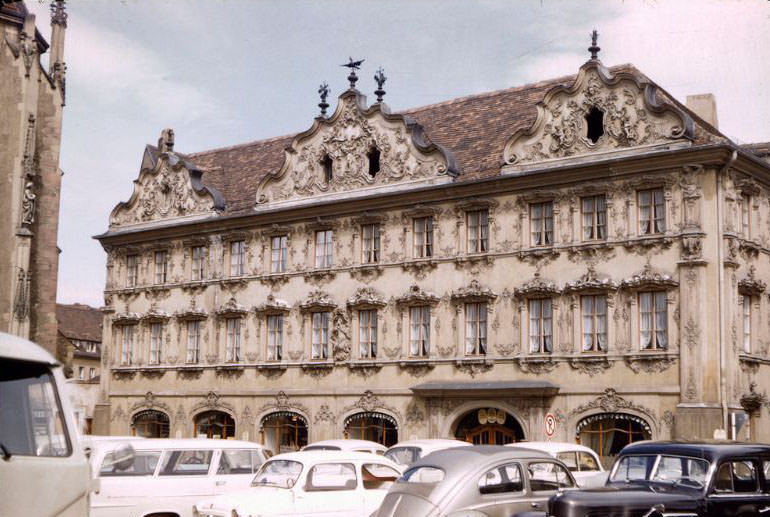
x=223 y=72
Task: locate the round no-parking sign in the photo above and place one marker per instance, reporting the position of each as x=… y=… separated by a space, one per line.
x=550 y=425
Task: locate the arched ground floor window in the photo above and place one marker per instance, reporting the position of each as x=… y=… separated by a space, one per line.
x=370 y=425
x=214 y=424
x=488 y=426
x=608 y=433
x=283 y=431
x=150 y=424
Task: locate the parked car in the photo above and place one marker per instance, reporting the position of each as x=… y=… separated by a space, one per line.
x=488 y=480
x=682 y=478
x=582 y=461
x=317 y=483
x=346 y=445
x=44 y=470
x=167 y=476
x=406 y=453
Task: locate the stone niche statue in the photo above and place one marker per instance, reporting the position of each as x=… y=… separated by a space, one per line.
x=28 y=202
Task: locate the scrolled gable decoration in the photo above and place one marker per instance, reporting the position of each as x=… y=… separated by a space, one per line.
x=537 y=287
x=339 y=146
x=648 y=278
x=366 y=297
x=169 y=186
x=150 y=402
x=369 y=403
x=273 y=305
x=473 y=292
x=282 y=402
x=590 y=281
x=610 y=402
x=416 y=296
x=212 y=401
x=318 y=300
x=627 y=106
x=231 y=309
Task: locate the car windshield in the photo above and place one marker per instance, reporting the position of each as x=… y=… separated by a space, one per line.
x=279 y=473
x=404 y=455
x=678 y=470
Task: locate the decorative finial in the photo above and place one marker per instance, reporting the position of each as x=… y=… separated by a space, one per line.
x=323 y=91
x=353 y=65
x=380 y=78
x=59 y=13
x=594 y=48
x=166 y=141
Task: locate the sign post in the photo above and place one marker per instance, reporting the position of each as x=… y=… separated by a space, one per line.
x=550 y=425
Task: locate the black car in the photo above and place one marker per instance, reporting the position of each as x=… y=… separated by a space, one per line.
x=677 y=478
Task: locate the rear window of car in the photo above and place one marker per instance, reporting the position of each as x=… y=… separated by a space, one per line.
x=331 y=476
x=587 y=462
x=186 y=463
x=144 y=465
x=423 y=475
x=321 y=448
x=404 y=455
x=502 y=479
x=377 y=476
x=239 y=461
x=546 y=476
x=569 y=459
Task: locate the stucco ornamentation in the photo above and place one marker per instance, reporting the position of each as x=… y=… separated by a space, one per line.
x=282 y=402
x=414 y=414
x=212 y=401
x=324 y=414
x=536 y=365
x=590 y=366
x=340 y=336
x=370 y=402
x=649 y=363
x=752 y=285
x=610 y=402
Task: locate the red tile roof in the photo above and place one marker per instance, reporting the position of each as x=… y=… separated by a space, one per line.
x=474 y=128
x=79 y=321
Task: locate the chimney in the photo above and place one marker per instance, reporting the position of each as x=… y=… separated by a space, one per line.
x=705 y=106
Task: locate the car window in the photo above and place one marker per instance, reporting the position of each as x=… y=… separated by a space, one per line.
x=766 y=470
x=569 y=459
x=239 y=461
x=403 y=455
x=331 y=476
x=377 y=476
x=423 y=475
x=279 y=473
x=631 y=468
x=587 y=462
x=736 y=477
x=547 y=476
x=187 y=463
x=681 y=470
x=501 y=479
x=144 y=465
x=321 y=448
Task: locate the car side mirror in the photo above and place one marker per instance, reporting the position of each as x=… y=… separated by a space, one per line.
x=122 y=457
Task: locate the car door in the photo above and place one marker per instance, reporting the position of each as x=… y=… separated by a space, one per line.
x=331 y=489
x=545 y=478
x=123 y=488
x=500 y=491
x=376 y=480
x=235 y=469
x=183 y=478
x=736 y=489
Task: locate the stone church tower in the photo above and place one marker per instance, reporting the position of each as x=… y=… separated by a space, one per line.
x=31 y=105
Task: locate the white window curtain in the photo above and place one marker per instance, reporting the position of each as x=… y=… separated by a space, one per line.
x=367 y=333
x=233 y=349
x=547 y=326
x=471 y=322
x=601 y=217
x=660 y=216
x=278 y=259
x=237 y=249
x=534 y=325
x=193 y=341
x=536 y=223
x=644 y=212
x=156 y=342
x=371 y=243
x=587 y=308
x=127 y=344
x=645 y=321
x=483 y=230
x=548 y=223
x=601 y=322
x=197 y=263
x=588 y=218
x=419 y=331
x=428 y=237
x=482 y=328
x=320 y=345
x=747 y=323
x=275 y=337
x=473 y=232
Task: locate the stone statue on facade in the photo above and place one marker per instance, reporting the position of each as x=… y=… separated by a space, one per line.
x=28 y=202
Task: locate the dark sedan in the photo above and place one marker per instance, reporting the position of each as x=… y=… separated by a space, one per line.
x=677 y=478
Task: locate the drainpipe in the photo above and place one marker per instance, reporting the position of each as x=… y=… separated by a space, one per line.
x=721 y=258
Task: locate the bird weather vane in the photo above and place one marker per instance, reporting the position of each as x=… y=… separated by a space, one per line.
x=353 y=66
x=323 y=91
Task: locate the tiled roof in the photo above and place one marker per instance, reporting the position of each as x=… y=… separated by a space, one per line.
x=474 y=128
x=79 y=321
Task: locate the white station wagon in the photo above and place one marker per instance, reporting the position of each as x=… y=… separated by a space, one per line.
x=579 y=459
x=317 y=483
x=165 y=477
x=346 y=444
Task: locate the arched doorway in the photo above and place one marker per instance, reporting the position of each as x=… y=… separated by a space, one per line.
x=214 y=424
x=608 y=433
x=488 y=426
x=373 y=426
x=283 y=431
x=150 y=424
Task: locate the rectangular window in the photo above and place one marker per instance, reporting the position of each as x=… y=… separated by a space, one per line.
x=320 y=339
x=653 y=320
x=746 y=216
x=541 y=223
x=367 y=333
x=419 y=331
x=92 y=373
x=198 y=261
x=156 y=342
x=423 y=237
x=278 y=248
x=161 y=266
x=193 y=341
x=132 y=270
x=81 y=373
x=540 y=325
x=746 y=323
x=594 y=312
x=233 y=349
x=324 y=248
x=476 y=328
x=274 y=337
x=652 y=213
x=370 y=243
x=237 y=258
x=594 y=218
x=127 y=344
x=478 y=231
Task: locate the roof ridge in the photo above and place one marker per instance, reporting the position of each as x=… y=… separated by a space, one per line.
x=244 y=144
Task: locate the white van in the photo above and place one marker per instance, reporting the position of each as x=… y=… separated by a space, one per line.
x=165 y=477
x=43 y=470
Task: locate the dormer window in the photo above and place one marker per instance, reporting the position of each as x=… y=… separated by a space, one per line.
x=374 y=161
x=595 y=122
x=326 y=163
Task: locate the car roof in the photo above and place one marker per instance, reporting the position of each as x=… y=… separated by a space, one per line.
x=430 y=442
x=553 y=447
x=177 y=443
x=707 y=449
x=307 y=457
x=20 y=349
x=469 y=458
x=348 y=444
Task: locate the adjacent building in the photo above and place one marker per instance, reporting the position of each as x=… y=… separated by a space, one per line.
x=31 y=104
x=585 y=247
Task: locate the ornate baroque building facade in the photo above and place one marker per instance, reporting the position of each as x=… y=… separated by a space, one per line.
x=31 y=104
x=586 y=247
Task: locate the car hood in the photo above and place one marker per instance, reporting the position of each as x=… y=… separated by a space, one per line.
x=633 y=496
x=246 y=501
